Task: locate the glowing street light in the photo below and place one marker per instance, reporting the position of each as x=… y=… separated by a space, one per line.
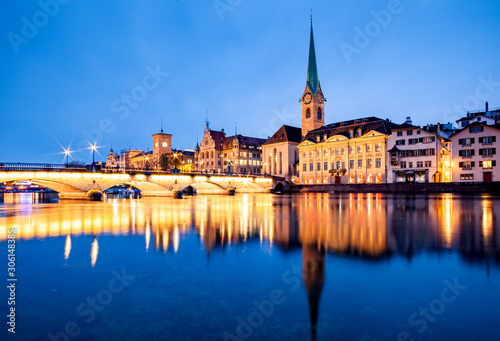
x=93 y=148
x=67 y=153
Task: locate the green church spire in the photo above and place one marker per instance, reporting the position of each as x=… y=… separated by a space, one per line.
x=312 y=69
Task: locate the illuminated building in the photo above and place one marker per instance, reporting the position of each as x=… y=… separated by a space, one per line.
x=417 y=155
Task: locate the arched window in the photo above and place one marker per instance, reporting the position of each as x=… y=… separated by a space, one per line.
x=308 y=113
x=319 y=114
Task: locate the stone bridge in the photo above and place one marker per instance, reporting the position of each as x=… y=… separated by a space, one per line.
x=82 y=185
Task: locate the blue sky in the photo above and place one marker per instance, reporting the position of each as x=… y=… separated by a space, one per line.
x=244 y=61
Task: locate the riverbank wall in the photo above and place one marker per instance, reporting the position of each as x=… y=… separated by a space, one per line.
x=450 y=187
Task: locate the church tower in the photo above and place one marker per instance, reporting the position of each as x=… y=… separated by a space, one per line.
x=313 y=114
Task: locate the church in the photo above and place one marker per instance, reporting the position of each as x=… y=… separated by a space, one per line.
x=352 y=151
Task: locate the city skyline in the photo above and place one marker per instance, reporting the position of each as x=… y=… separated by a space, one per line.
x=70 y=76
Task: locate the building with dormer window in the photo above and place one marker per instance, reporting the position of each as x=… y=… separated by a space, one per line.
x=345 y=152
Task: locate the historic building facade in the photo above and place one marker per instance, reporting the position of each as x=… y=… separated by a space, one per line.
x=417 y=155
x=234 y=154
x=281 y=153
x=474 y=153
x=346 y=152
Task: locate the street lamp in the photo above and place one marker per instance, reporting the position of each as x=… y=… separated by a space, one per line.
x=93 y=147
x=67 y=153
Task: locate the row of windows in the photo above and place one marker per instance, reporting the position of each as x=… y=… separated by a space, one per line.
x=485 y=152
x=483 y=140
x=352 y=179
x=341 y=165
x=408 y=132
x=419 y=164
x=415 y=152
x=472 y=164
x=341 y=150
x=427 y=139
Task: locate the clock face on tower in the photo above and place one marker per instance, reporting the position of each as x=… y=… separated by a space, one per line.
x=319 y=97
x=164 y=144
x=307 y=98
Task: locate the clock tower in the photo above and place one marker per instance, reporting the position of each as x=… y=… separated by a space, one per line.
x=162 y=144
x=313 y=101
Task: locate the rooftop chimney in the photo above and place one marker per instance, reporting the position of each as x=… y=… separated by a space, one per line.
x=408 y=120
x=486 y=107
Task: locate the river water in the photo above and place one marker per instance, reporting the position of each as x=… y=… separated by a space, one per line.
x=255 y=267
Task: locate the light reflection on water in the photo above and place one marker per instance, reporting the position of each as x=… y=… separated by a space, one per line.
x=366 y=227
x=370 y=225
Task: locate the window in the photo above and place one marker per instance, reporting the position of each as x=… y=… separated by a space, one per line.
x=369 y=163
x=412 y=141
x=318 y=166
x=409 y=132
x=487 y=152
x=466 y=164
x=343 y=165
x=317 y=153
x=400 y=142
x=359 y=132
x=308 y=113
x=311 y=167
x=343 y=151
x=476 y=129
x=410 y=164
x=333 y=165
x=338 y=164
x=428 y=163
x=304 y=167
x=466 y=176
x=466 y=153
x=428 y=139
x=351 y=164
x=360 y=149
x=318 y=138
x=351 y=149
x=378 y=162
x=351 y=133
x=403 y=164
x=360 y=163
x=487 y=139
x=418 y=132
x=420 y=164
x=378 y=147
x=319 y=114
x=368 y=148
x=400 y=133
x=467 y=142
x=325 y=166
x=487 y=164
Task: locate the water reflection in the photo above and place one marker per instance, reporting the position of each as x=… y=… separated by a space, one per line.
x=361 y=226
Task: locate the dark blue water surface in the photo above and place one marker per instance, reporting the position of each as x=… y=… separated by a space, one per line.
x=255 y=267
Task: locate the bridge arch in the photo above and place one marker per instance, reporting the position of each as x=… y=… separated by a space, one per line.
x=64 y=191
x=207 y=187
